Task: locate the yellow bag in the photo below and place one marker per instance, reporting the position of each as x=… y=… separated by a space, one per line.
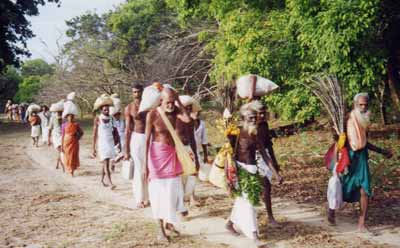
x=188 y=166
x=217 y=174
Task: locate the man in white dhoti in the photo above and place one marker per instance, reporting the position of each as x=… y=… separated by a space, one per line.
x=186 y=134
x=44 y=123
x=163 y=168
x=244 y=216
x=135 y=123
x=105 y=137
x=34 y=121
x=115 y=112
x=55 y=130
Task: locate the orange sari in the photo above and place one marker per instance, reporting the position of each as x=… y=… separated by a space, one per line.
x=71 y=146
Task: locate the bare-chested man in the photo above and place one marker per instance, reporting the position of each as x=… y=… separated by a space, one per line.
x=185 y=132
x=243 y=214
x=135 y=124
x=163 y=168
x=265 y=138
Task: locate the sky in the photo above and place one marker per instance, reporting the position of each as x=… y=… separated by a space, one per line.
x=49 y=26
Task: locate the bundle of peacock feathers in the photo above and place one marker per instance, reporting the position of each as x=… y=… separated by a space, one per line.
x=329 y=91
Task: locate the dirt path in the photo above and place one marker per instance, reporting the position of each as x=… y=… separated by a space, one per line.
x=44 y=207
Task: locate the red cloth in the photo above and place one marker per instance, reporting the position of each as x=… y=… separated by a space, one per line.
x=330 y=159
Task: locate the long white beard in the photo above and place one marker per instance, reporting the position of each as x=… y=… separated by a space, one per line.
x=251 y=129
x=363 y=118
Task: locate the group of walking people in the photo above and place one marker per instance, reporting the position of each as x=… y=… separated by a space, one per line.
x=16 y=112
x=167 y=145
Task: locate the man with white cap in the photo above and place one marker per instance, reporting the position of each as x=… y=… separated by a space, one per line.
x=105 y=137
x=55 y=130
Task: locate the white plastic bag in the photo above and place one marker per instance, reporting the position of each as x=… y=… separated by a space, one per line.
x=127 y=169
x=204 y=171
x=263 y=86
x=334 y=192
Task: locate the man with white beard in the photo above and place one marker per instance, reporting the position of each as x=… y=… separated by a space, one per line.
x=249 y=172
x=356 y=183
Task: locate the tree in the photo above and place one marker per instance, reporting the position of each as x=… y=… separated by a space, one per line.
x=290 y=41
x=15 y=29
x=9 y=81
x=36 y=67
x=28 y=89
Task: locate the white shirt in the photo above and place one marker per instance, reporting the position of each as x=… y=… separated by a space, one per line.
x=200 y=134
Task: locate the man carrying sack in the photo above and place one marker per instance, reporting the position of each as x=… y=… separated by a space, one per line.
x=163 y=169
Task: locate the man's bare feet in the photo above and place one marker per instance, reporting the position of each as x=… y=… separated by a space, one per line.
x=229 y=227
x=113 y=187
x=140 y=205
x=104 y=184
x=172 y=229
x=331 y=217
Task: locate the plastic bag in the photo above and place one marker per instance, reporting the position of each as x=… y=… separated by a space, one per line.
x=263 y=86
x=204 y=171
x=334 y=192
x=127 y=169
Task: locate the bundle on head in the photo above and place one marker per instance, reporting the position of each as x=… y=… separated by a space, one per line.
x=329 y=91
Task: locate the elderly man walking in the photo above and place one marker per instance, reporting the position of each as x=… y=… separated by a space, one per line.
x=356 y=183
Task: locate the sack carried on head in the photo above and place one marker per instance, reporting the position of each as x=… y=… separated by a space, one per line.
x=263 y=86
x=188 y=100
x=116 y=108
x=151 y=96
x=103 y=100
x=57 y=107
x=69 y=109
x=33 y=108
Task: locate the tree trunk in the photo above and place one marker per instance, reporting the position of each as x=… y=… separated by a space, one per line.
x=383 y=101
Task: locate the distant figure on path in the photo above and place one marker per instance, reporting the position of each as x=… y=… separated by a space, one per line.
x=55 y=130
x=71 y=134
x=34 y=121
x=44 y=123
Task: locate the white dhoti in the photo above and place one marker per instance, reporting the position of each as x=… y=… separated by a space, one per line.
x=165 y=197
x=140 y=186
x=244 y=214
x=45 y=134
x=105 y=145
x=244 y=217
x=56 y=139
x=35 y=131
x=266 y=171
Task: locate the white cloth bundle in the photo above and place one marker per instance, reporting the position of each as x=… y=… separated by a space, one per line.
x=103 y=100
x=69 y=109
x=151 y=96
x=116 y=108
x=57 y=107
x=71 y=96
x=33 y=108
x=263 y=86
x=188 y=100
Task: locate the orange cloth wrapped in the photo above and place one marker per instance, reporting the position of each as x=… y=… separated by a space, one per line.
x=71 y=146
x=34 y=120
x=356 y=133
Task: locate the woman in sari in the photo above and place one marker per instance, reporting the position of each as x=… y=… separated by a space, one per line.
x=71 y=134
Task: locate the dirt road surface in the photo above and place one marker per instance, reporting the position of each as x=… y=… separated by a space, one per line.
x=43 y=207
